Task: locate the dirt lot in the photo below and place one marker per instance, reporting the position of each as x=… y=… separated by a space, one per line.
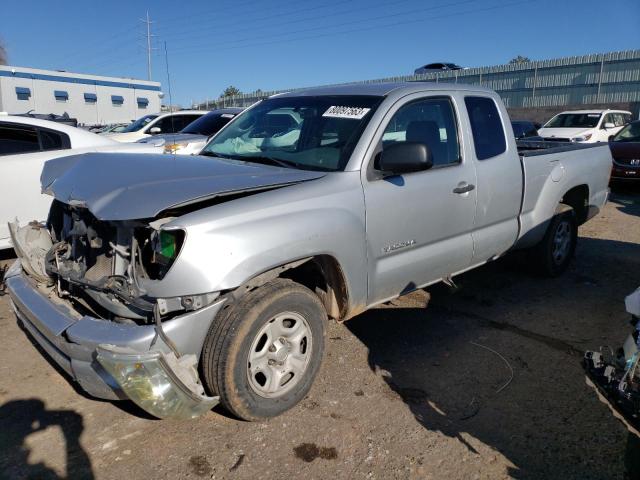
x=405 y=391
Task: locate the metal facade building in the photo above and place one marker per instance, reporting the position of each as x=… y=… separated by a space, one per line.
x=608 y=78
x=89 y=98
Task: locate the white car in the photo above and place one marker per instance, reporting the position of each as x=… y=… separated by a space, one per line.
x=25 y=145
x=170 y=122
x=585 y=126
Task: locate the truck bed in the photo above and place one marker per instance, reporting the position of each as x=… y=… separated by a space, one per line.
x=528 y=148
x=549 y=172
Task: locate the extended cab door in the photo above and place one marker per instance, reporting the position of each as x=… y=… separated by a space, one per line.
x=499 y=177
x=419 y=224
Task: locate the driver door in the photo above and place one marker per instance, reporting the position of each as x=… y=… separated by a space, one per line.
x=419 y=224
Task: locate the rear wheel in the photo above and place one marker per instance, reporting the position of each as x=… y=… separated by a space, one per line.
x=262 y=353
x=553 y=254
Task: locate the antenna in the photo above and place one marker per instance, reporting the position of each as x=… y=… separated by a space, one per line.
x=166 y=60
x=149 y=49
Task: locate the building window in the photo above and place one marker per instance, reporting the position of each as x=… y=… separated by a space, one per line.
x=61 y=95
x=23 y=93
x=90 y=98
x=117 y=100
x=142 y=102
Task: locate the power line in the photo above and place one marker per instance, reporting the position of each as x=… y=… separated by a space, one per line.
x=246 y=21
x=404 y=22
x=234 y=45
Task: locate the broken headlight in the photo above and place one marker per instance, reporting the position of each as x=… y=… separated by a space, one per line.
x=161 y=251
x=161 y=384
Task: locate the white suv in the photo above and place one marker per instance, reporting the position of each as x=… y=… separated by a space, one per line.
x=153 y=124
x=586 y=126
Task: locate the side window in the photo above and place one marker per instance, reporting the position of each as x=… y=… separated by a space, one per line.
x=430 y=121
x=619 y=120
x=18 y=139
x=486 y=126
x=187 y=119
x=174 y=123
x=51 y=140
x=608 y=118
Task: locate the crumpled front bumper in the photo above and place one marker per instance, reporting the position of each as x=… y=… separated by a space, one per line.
x=71 y=340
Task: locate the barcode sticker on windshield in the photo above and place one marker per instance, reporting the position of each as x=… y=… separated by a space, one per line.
x=355 y=113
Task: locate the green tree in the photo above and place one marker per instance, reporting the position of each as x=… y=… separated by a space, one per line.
x=519 y=59
x=231 y=91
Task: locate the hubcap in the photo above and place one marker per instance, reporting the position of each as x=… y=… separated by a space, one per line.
x=561 y=242
x=279 y=355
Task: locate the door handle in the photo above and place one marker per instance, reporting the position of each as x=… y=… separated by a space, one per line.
x=463 y=187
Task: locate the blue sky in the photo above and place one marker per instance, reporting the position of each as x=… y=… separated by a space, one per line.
x=270 y=44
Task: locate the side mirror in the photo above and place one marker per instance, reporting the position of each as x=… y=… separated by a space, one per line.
x=611 y=137
x=608 y=125
x=405 y=157
x=154 y=130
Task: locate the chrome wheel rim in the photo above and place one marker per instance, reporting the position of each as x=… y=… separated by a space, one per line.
x=279 y=355
x=561 y=242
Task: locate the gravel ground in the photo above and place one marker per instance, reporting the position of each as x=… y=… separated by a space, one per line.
x=416 y=389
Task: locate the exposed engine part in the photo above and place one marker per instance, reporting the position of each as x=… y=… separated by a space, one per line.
x=616 y=376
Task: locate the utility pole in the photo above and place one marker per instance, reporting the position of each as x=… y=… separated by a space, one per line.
x=148 y=22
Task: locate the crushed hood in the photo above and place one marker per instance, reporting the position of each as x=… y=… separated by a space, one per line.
x=116 y=186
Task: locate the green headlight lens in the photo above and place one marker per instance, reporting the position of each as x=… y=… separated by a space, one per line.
x=168 y=244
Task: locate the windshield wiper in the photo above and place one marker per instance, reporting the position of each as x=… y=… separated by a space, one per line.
x=264 y=159
x=271 y=160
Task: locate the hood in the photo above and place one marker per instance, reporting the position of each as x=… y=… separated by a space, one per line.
x=168 y=138
x=115 y=186
x=126 y=136
x=563 y=132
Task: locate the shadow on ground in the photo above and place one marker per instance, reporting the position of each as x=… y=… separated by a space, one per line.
x=498 y=360
x=626 y=198
x=21 y=418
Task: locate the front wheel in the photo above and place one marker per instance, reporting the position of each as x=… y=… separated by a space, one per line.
x=553 y=254
x=262 y=353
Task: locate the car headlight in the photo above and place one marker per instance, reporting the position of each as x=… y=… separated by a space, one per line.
x=582 y=138
x=173 y=147
x=159 y=383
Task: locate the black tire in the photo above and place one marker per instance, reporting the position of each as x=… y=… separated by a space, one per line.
x=232 y=336
x=546 y=256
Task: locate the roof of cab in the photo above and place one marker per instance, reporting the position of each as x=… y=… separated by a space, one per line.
x=381 y=89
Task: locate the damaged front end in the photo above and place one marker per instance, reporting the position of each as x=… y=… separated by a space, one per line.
x=616 y=375
x=97 y=269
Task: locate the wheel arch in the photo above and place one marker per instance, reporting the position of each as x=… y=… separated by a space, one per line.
x=578 y=199
x=322 y=274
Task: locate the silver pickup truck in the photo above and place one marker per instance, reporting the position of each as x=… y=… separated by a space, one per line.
x=181 y=282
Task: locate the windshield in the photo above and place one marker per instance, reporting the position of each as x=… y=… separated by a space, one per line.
x=630 y=133
x=208 y=124
x=313 y=133
x=139 y=123
x=574 y=120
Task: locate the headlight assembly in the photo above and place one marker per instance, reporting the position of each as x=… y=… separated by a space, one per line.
x=161 y=384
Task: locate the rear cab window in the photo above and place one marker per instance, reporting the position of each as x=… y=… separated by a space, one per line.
x=489 y=138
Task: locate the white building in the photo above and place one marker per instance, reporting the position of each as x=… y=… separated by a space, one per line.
x=91 y=99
